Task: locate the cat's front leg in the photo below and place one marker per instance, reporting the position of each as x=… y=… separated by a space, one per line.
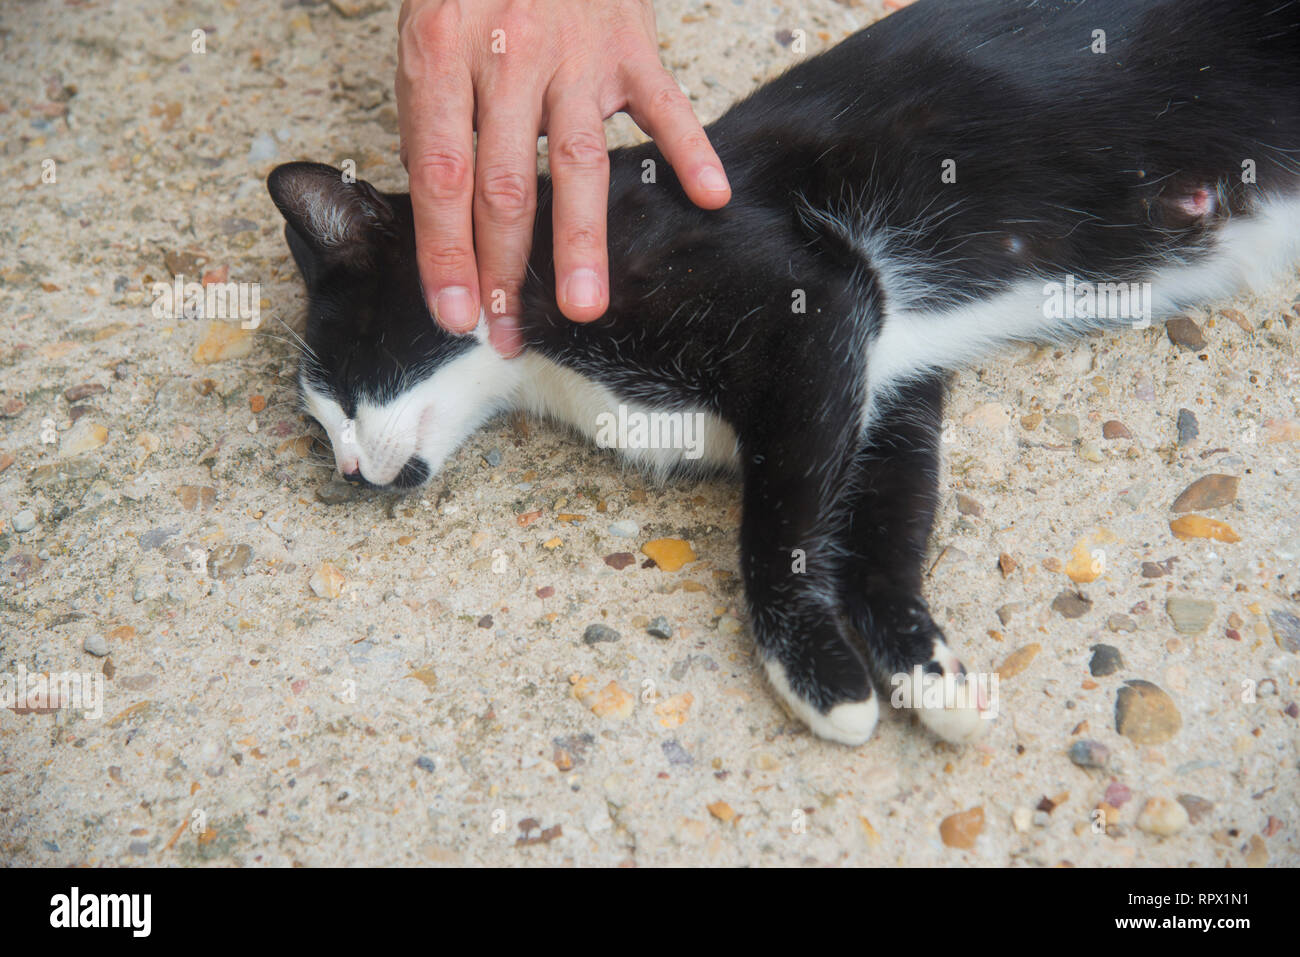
x=794 y=483
x=886 y=529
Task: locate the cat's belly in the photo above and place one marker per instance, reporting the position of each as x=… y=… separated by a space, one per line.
x=1249 y=252
x=661 y=440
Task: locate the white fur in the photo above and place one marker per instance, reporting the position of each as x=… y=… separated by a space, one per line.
x=433 y=418
x=850 y=723
x=1248 y=253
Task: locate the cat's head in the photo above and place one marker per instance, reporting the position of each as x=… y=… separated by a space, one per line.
x=395 y=393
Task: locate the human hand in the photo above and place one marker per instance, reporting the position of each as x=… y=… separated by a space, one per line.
x=512 y=69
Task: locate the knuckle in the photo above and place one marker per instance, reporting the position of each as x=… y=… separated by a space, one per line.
x=583 y=149
x=583 y=236
x=505 y=192
x=442 y=173
x=447 y=258
x=696 y=142
x=435 y=27
x=667 y=98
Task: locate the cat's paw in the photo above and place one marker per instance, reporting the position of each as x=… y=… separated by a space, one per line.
x=847 y=722
x=947 y=699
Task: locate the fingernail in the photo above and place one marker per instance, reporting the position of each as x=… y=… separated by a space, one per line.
x=582 y=289
x=504 y=334
x=711 y=178
x=453 y=307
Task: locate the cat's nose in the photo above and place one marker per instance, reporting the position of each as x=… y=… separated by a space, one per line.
x=354 y=476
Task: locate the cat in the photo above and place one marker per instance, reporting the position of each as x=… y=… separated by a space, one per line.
x=903 y=204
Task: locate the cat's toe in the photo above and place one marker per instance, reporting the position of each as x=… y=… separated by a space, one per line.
x=846 y=722
x=948 y=700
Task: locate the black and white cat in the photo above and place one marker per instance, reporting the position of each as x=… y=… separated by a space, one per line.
x=923 y=189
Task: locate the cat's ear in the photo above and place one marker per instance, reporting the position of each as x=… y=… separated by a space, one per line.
x=335 y=218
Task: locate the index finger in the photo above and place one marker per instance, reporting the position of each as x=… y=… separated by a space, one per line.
x=436 y=106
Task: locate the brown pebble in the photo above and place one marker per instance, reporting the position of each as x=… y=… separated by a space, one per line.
x=1115 y=429
x=968 y=506
x=1186 y=333
x=83 y=391
x=1071 y=604
x=1144 y=713
x=960 y=830
x=620 y=560
x=1007 y=565
x=1208 y=491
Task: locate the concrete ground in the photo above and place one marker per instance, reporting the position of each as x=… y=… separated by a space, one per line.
x=293 y=673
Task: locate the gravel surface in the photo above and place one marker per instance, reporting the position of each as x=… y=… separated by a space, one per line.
x=490 y=671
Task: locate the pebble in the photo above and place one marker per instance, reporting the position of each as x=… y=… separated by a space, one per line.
x=660 y=628
x=1208 y=491
x=1071 y=604
x=1188 y=427
x=1198 y=526
x=968 y=506
x=610 y=702
x=676 y=754
x=1114 y=429
x=620 y=560
x=426 y=763
x=1090 y=451
x=223 y=340
x=1186 y=333
x=625 y=529
x=85 y=436
x=1090 y=754
x=1010 y=609
x=1121 y=623
x=1022 y=818
x=96 y=645
x=1197 y=807
x=1191 y=616
x=961 y=829
x=1286 y=630
x=599 y=633
x=327 y=581
x=1144 y=713
x=670 y=554
x=1067 y=425
x=1162 y=817
x=492 y=457
x=83 y=391
x=263 y=148
x=1106 y=659
x=1117 y=794
x=1132 y=497
x=728 y=625
x=1019 y=660
x=227 y=561
x=336 y=492
x=24 y=521
x=1144 y=388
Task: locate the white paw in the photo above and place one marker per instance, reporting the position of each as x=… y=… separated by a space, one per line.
x=849 y=723
x=954 y=706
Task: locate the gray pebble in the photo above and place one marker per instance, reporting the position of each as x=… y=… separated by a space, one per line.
x=624 y=529
x=676 y=754
x=96 y=645
x=138 y=848
x=1089 y=754
x=1106 y=660
x=1188 y=427
x=425 y=763
x=24 y=521
x=660 y=628
x=598 y=633
x=336 y=492
x=492 y=457
x=1286 y=629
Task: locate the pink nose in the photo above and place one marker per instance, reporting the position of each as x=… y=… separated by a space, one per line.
x=350 y=468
